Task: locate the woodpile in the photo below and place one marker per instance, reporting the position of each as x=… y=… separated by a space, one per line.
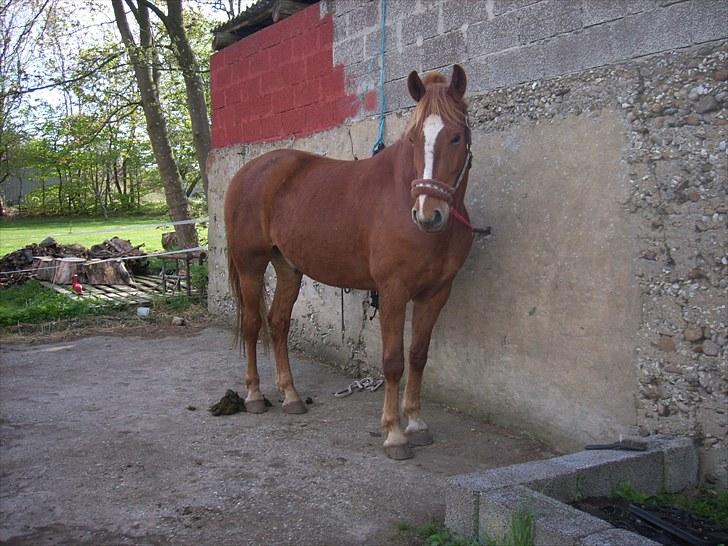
x=52 y=262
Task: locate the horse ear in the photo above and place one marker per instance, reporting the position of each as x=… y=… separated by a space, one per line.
x=415 y=86
x=458 y=82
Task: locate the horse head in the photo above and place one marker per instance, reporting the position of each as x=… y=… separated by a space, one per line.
x=440 y=137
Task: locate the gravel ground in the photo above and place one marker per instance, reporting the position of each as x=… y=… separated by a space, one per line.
x=99 y=444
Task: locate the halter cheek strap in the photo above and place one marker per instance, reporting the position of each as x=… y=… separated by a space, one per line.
x=434 y=188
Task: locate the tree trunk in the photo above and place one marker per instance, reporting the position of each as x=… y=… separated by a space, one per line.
x=156 y=123
x=195 y=90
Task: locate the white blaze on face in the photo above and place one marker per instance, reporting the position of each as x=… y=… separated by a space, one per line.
x=432 y=127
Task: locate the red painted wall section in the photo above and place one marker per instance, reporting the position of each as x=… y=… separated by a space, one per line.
x=279 y=82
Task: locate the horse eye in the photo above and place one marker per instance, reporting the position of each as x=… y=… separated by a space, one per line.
x=455 y=139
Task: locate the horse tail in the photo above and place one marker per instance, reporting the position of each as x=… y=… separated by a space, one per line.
x=237 y=295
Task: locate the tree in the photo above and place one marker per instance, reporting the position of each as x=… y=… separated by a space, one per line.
x=195 y=90
x=143 y=58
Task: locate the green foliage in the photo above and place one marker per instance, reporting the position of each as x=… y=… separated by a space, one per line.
x=712 y=505
x=199 y=276
x=32 y=302
x=435 y=534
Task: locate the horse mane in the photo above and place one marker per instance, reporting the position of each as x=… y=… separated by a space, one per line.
x=438 y=101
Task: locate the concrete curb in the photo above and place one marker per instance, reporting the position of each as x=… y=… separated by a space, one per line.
x=481 y=504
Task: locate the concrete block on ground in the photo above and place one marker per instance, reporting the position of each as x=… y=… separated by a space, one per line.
x=617 y=537
x=681 y=462
x=461 y=510
x=554 y=522
x=599 y=472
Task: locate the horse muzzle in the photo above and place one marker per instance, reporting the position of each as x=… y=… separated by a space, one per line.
x=432 y=204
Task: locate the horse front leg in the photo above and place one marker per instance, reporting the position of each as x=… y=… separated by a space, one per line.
x=392 y=312
x=425 y=311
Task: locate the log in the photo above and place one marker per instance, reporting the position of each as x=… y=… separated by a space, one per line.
x=98 y=272
x=44 y=268
x=66 y=268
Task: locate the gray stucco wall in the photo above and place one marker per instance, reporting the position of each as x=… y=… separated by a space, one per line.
x=598 y=304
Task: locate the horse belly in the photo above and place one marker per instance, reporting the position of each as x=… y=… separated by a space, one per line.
x=335 y=268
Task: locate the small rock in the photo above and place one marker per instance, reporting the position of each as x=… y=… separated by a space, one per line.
x=720 y=75
x=693 y=334
x=692 y=119
x=649 y=255
x=696 y=273
x=694 y=196
x=192 y=408
x=710 y=348
x=178 y=321
x=666 y=344
x=706 y=104
x=48 y=241
x=663 y=410
x=309 y=400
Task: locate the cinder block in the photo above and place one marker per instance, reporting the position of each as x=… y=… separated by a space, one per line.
x=504 y=6
x=599 y=472
x=486 y=37
x=681 y=464
x=548 y=18
x=708 y=20
x=461 y=509
x=363 y=18
x=443 y=50
x=505 y=69
x=577 y=51
x=554 y=522
x=348 y=52
x=651 y=31
x=456 y=13
x=421 y=25
x=616 y=537
x=594 y=13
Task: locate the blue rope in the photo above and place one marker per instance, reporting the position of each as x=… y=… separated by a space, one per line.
x=379 y=144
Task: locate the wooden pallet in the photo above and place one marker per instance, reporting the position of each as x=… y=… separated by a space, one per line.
x=145 y=289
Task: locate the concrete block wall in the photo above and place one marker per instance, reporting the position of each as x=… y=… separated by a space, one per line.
x=502 y=43
x=598 y=305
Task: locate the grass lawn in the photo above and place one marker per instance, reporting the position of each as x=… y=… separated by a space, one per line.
x=19 y=232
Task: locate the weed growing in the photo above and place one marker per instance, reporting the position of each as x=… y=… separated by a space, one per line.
x=711 y=505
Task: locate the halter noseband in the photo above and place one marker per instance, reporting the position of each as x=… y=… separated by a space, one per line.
x=439 y=190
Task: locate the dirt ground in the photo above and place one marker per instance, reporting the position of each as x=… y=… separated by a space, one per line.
x=99 y=444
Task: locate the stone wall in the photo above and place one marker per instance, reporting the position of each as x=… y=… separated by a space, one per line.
x=598 y=305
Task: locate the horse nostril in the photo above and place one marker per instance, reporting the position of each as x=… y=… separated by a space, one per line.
x=414 y=215
x=438 y=217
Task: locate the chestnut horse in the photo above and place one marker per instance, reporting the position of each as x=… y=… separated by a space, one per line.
x=395 y=223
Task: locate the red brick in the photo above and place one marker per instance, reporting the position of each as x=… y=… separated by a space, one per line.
x=319 y=64
x=294 y=72
x=271 y=81
x=306 y=93
x=304 y=44
x=309 y=17
x=332 y=84
x=281 y=53
x=232 y=95
x=259 y=62
x=282 y=100
x=217 y=99
x=325 y=33
x=371 y=101
x=251 y=131
x=292 y=122
x=269 y=36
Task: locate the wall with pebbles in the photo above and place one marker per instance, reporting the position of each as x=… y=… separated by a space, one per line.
x=598 y=305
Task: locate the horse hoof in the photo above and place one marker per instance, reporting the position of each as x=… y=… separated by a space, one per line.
x=399 y=452
x=296 y=407
x=420 y=438
x=255 y=406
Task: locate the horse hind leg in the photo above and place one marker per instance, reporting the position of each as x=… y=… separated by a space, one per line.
x=251 y=289
x=288 y=283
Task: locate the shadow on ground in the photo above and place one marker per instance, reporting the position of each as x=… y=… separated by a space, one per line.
x=98 y=446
